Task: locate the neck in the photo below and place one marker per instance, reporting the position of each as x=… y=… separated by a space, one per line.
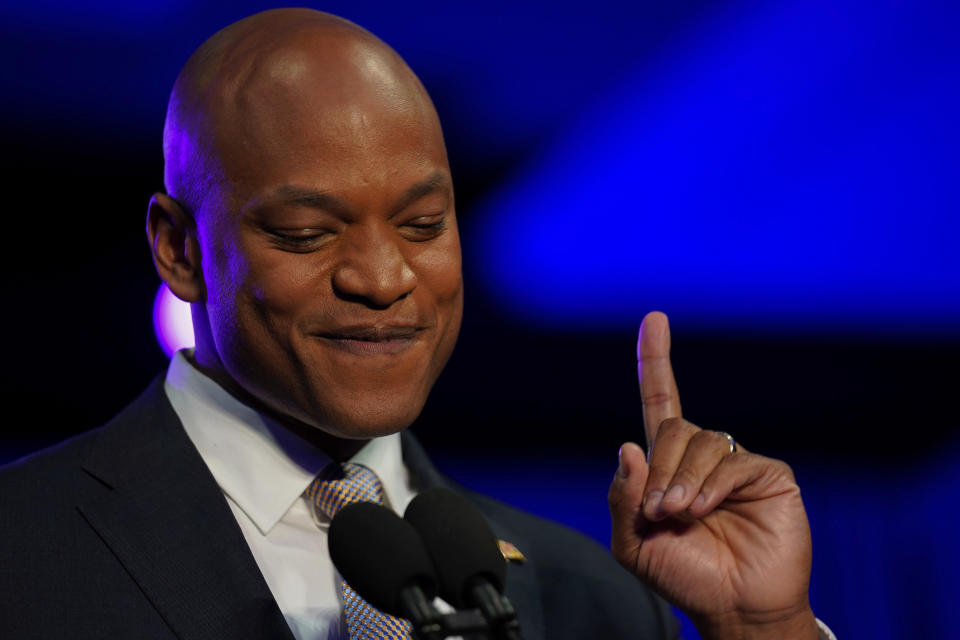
x=339 y=449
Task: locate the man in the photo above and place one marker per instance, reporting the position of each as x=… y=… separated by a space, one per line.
x=309 y=220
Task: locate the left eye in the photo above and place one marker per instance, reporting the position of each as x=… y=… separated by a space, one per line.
x=425 y=229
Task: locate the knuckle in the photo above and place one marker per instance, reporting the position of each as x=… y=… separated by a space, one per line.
x=710 y=485
x=738 y=460
x=708 y=439
x=676 y=429
x=778 y=466
x=656 y=397
x=719 y=436
x=686 y=476
x=785 y=470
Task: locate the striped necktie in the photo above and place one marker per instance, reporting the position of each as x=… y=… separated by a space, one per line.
x=336 y=487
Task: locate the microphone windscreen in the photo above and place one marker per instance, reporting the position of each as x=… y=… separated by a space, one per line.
x=378 y=554
x=459 y=541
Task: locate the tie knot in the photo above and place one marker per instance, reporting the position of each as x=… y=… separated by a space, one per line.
x=341 y=484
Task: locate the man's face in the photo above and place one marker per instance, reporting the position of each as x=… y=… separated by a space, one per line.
x=330 y=252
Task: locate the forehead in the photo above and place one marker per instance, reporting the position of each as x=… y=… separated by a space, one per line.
x=329 y=108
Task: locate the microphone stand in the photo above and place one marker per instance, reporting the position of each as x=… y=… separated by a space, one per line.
x=496 y=610
x=425 y=620
x=429 y=624
x=494 y=619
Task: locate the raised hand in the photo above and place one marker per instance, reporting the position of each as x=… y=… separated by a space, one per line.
x=721 y=534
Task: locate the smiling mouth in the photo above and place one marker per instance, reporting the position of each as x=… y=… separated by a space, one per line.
x=372 y=340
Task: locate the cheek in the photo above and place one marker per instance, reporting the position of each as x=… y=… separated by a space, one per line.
x=283 y=284
x=255 y=289
x=439 y=268
x=439 y=272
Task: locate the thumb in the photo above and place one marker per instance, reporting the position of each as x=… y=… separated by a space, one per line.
x=625 y=499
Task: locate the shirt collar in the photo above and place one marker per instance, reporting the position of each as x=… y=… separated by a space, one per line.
x=259 y=464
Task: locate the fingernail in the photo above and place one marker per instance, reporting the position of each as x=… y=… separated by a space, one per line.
x=653 y=499
x=622 y=470
x=675 y=494
x=700 y=499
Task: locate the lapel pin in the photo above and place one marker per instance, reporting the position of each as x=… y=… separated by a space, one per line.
x=510 y=552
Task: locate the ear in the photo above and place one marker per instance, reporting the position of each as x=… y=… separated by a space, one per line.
x=172 y=234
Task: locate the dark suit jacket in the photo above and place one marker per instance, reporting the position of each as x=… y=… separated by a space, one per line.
x=122 y=532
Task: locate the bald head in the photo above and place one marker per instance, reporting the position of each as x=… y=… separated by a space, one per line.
x=312 y=225
x=257 y=84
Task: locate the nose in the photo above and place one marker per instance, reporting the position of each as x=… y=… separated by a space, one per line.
x=372 y=268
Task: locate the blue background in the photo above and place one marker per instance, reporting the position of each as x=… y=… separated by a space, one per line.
x=780 y=177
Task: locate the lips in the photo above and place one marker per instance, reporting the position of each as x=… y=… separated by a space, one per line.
x=372 y=340
x=372 y=334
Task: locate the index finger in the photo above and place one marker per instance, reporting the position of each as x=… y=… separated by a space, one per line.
x=658 y=388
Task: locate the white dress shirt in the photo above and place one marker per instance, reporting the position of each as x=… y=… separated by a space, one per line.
x=263 y=470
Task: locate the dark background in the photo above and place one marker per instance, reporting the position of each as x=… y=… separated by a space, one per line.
x=866 y=417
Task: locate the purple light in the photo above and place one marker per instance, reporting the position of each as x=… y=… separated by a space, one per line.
x=172 y=321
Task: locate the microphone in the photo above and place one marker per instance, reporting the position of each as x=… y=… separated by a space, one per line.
x=465 y=554
x=384 y=560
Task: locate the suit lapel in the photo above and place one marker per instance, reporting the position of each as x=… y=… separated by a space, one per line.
x=522 y=588
x=166 y=520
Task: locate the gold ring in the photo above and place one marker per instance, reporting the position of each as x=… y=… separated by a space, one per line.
x=733 y=443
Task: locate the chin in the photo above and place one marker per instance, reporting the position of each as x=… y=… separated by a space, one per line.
x=370 y=420
x=364 y=429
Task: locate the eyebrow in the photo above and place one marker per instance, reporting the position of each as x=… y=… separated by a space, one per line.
x=293 y=195
x=436 y=182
